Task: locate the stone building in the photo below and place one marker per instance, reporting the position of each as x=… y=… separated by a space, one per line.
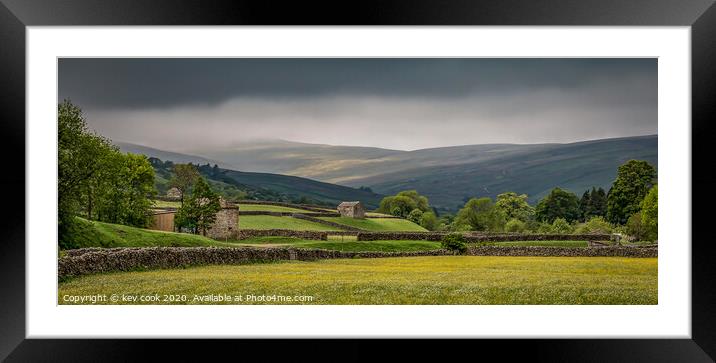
x=226 y=224
x=351 y=209
x=173 y=194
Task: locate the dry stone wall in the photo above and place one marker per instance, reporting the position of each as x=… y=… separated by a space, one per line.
x=249 y=233
x=98 y=260
x=313 y=208
x=469 y=237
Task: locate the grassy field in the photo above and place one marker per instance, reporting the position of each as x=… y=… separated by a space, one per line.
x=377 y=224
x=407 y=280
x=166 y=204
x=98 y=234
x=376 y=214
x=269 y=208
x=273 y=222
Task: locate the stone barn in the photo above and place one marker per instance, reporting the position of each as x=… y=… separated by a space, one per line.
x=173 y=194
x=351 y=209
x=227 y=222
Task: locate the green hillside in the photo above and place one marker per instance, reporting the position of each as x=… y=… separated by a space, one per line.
x=378 y=224
x=329 y=194
x=99 y=234
x=273 y=222
x=268 y=187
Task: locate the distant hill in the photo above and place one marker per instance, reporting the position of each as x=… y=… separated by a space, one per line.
x=265 y=186
x=168 y=155
x=533 y=170
x=449 y=175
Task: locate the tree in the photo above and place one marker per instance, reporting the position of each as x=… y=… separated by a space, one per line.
x=650 y=212
x=429 y=221
x=636 y=229
x=598 y=198
x=421 y=202
x=515 y=226
x=399 y=206
x=124 y=189
x=481 y=215
x=77 y=156
x=585 y=205
x=561 y=226
x=634 y=179
x=199 y=213
x=185 y=175
x=454 y=242
x=596 y=224
x=415 y=215
x=515 y=206
x=558 y=204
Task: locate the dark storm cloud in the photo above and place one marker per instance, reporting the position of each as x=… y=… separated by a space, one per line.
x=159 y=82
x=435 y=102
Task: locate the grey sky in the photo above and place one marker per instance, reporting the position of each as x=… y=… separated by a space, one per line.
x=195 y=104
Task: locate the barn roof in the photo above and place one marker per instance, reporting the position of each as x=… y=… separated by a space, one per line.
x=348 y=204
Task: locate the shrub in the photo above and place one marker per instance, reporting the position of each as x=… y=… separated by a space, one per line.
x=415 y=215
x=429 y=221
x=515 y=225
x=561 y=226
x=650 y=212
x=637 y=230
x=544 y=228
x=596 y=225
x=454 y=242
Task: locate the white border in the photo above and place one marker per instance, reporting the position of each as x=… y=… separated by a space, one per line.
x=670 y=318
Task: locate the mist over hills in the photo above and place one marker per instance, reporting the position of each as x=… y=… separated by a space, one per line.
x=447 y=175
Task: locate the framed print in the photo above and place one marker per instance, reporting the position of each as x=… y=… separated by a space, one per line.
x=495 y=175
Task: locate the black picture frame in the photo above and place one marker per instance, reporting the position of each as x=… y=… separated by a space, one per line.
x=16 y=15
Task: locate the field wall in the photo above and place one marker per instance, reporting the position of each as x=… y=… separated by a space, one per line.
x=475 y=237
x=98 y=260
x=249 y=233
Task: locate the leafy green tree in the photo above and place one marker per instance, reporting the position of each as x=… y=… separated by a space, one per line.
x=598 y=199
x=445 y=223
x=454 y=242
x=199 y=213
x=596 y=225
x=561 y=226
x=585 y=205
x=634 y=179
x=421 y=202
x=403 y=203
x=429 y=221
x=124 y=189
x=399 y=206
x=515 y=225
x=558 y=204
x=415 y=215
x=544 y=228
x=77 y=156
x=185 y=175
x=650 y=212
x=481 y=215
x=636 y=229
x=515 y=206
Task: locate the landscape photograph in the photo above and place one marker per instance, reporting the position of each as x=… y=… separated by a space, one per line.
x=357 y=181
